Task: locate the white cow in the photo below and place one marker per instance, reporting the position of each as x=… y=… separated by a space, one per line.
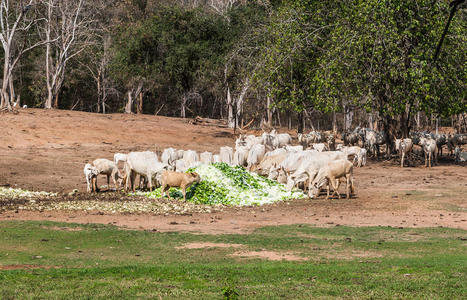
x=206 y=158
x=270 y=141
x=275 y=152
x=284 y=139
x=180 y=165
x=191 y=158
x=120 y=157
x=255 y=155
x=169 y=156
x=240 y=156
x=216 y=158
x=91 y=172
x=320 y=147
x=144 y=164
x=289 y=148
x=226 y=155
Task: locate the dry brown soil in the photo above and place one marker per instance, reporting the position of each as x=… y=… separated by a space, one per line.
x=46 y=150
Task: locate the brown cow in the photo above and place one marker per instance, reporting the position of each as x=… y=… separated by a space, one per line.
x=178 y=179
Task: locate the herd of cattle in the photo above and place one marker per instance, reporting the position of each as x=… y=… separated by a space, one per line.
x=430 y=143
x=316 y=161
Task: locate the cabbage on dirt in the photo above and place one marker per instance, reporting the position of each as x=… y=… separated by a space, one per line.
x=12 y=194
x=228 y=185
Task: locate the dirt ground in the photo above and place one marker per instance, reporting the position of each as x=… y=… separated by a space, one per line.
x=46 y=150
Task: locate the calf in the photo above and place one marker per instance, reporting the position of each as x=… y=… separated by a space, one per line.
x=109 y=168
x=177 y=179
x=91 y=172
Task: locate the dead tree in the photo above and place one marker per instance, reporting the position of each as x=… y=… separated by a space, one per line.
x=132 y=95
x=240 y=100
x=66 y=35
x=17 y=19
x=222 y=6
x=98 y=69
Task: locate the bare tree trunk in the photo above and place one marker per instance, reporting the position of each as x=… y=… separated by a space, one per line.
x=104 y=95
x=14 y=19
x=48 y=76
x=301 y=118
x=348 y=116
x=139 y=107
x=56 y=101
x=99 y=91
x=334 y=122
x=183 y=106
x=230 y=117
x=221 y=111
x=11 y=89
x=6 y=74
x=307 y=117
x=268 y=112
x=239 y=102
x=64 y=20
x=370 y=121
x=129 y=103
x=278 y=118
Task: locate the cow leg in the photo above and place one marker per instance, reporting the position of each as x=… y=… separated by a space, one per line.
x=88 y=189
x=95 y=184
x=114 y=175
x=335 y=189
x=165 y=190
x=347 y=187
x=132 y=179
x=149 y=179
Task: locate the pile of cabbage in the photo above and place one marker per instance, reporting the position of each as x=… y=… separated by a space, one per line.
x=13 y=194
x=230 y=185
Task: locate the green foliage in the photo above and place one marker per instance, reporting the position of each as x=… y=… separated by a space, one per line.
x=177 y=51
x=374 y=54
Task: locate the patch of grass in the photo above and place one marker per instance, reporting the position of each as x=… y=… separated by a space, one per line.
x=100 y=261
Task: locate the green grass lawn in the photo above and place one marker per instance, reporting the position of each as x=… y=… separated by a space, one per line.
x=97 y=261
